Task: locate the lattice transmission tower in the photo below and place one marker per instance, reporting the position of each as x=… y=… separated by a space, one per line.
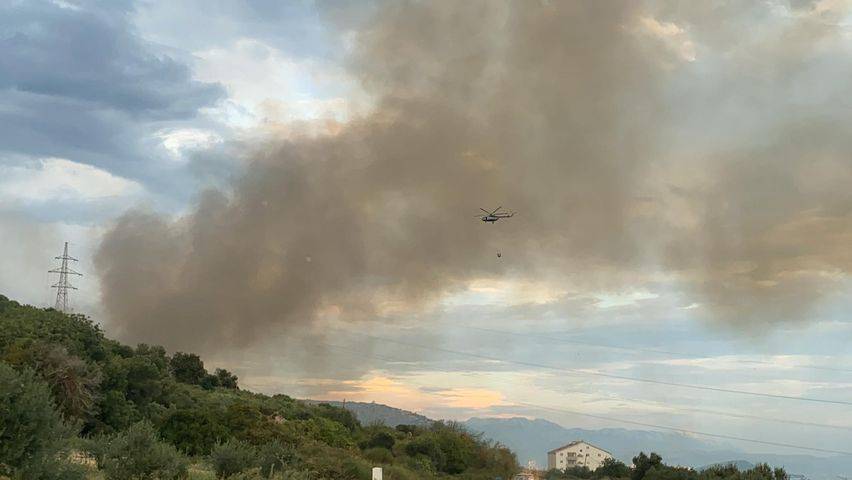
x=64 y=284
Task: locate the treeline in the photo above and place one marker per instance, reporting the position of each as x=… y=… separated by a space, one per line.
x=75 y=405
x=651 y=467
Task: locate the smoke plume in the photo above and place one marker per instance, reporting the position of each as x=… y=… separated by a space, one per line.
x=630 y=138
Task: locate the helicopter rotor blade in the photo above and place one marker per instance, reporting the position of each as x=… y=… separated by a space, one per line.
x=495 y=210
x=484 y=210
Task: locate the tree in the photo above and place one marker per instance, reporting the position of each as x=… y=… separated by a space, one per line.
x=337 y=414
x=187 y=368
x=226 y=379
x=642 y=463
x=612 y=468
x=72 y=381
x=458 y=450
x=209 y=382
x=33 y=436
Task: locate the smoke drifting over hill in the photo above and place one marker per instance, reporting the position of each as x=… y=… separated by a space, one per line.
x=632 y=138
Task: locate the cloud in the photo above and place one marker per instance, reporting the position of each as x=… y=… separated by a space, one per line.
x=271 y=88
x=297 y=29
x=400 y=393
x=79 y=83
x=179 y=140
x=59 y=179
x=673 y=37
x=88 y=57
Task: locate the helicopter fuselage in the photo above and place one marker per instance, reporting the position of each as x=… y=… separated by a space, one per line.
x=494 y=218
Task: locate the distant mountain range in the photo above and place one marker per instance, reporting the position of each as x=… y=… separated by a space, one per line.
x=369 y=413
x=531 y=440
x=740 y=464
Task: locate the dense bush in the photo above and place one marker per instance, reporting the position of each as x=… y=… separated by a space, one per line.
x=33 y=436
x=379 y=439
x=236 y=456
x=232 y=457
x=379 y=455
x=193 y=431
x=651 y=467
x=274 y=456
x=138 y=453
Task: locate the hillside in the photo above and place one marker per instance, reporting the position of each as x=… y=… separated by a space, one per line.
x=68 y=391
x=376 y=413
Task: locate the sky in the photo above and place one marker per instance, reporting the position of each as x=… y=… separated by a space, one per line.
x=290 y=190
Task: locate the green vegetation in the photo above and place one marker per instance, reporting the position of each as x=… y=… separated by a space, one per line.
x=33 y=435
x=67 y=393
x=138 y=452
x=651 y=467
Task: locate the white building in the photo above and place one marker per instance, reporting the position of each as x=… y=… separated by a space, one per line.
x=577 y=454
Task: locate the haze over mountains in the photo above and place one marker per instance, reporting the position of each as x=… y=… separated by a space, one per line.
x=370 y=413
x=531 y=439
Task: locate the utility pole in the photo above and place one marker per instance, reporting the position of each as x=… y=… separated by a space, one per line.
x=63 y=285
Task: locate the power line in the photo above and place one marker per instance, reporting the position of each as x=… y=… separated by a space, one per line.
x=595 y=373
x=645 y=402
x=640 y=350
x=632 y=422
x=64 y=284
x=684 y=430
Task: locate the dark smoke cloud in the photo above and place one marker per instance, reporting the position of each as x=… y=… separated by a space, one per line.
x=561 y=110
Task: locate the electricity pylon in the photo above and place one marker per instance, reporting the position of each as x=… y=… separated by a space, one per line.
x=63 y=285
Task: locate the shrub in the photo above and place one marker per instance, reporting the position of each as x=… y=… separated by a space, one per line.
x=274 y=456
x=193 y=430
x=33 y=437
x=378 y=455
x=138 y=453
x=250 y=474
x=382 y=439
x=296 y=475
x=232 y=457
x=581 y=472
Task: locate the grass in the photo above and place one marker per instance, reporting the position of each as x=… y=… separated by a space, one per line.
x=197 y=471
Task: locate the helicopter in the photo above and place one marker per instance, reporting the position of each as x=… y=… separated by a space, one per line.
x=491 y=217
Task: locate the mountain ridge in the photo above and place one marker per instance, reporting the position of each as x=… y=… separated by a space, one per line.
x=369 y=413
x=531 y=439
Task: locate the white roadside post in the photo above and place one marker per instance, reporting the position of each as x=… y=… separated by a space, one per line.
x=377 y=473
